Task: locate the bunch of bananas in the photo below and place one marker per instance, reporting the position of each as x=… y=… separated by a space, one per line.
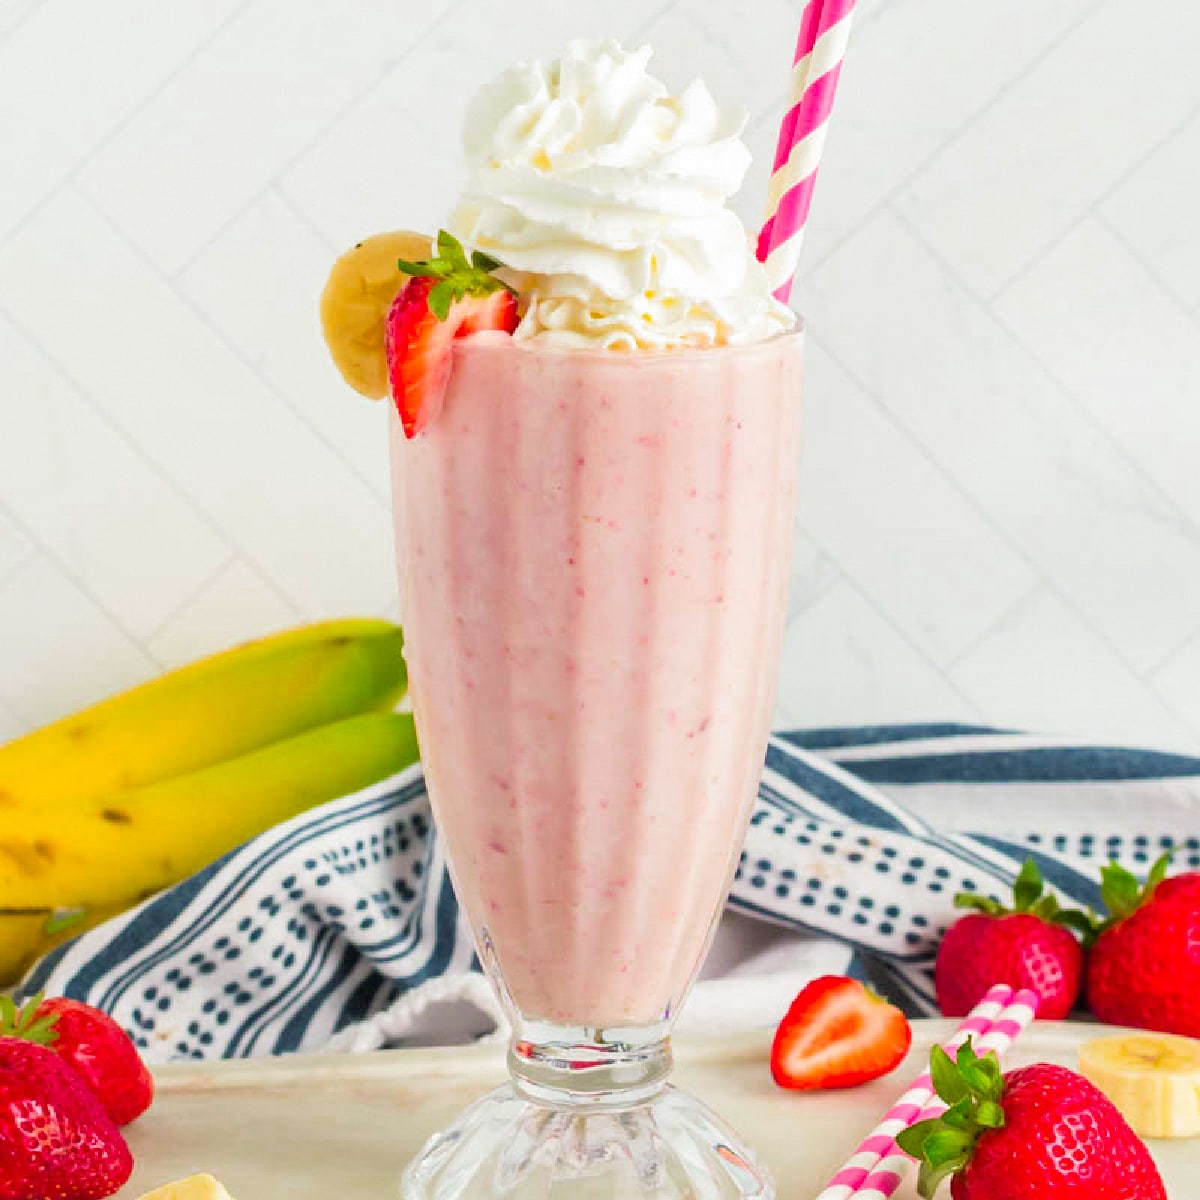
x=117 y=802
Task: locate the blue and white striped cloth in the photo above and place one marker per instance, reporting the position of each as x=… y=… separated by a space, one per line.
x=859 y=835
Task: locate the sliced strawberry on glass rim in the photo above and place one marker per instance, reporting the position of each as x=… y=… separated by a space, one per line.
x=446 y=298
x=837 y=1033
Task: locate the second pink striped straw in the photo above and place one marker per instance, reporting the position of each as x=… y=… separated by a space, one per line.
x=999 y=1016
x=888 y=1174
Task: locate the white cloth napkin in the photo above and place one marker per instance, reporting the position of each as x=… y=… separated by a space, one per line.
x=752 y=974
x=340 y=929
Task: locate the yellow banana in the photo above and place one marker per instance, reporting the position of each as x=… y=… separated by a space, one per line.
x=213 y=710
x=27 y=936
x=116 y=850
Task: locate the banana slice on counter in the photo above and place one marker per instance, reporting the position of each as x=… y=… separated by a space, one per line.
x=1153 y=1078
x=196 y=1187
x=355 y=303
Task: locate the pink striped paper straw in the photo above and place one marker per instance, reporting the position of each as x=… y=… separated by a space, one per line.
x=886 y=1176
x=882 y=1139
x=820 y=49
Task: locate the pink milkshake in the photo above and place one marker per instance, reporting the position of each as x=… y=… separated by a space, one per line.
x=593 y=558
x=594 y=453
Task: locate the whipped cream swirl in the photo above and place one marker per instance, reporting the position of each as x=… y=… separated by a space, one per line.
x=605 y=198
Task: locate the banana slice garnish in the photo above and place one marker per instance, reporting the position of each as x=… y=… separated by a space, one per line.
x=196 y=1187
x=1153 y=1078
x=355 y=303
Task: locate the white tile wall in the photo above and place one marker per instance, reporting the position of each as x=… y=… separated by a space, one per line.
x=846 y=663
x=1042 y=658
x=1072 y=129
x=1001 y=504
x=1177 y=682
x=14 y=11
x=236 y=604
x=1153 y=210
x=892 y=520
x=1103 y=326
x=72 y=73
x=61 y=649
x=67 y=473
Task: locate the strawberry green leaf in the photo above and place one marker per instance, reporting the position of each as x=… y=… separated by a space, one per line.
x=1123 y=894
x=972 y=1086
x=457 y=276
x=1119 y=889
x=1028 y=888
x=1086 y=924
x=1158 y=872
x=947 y=1081
x=990 y=1115
x=958 y=1115
x=441 y=296
x=431 y=268
x=976 y=1079
x=941 y=1153
x=1029 y=896
x=912 y=1140
x=965 y=1056
x=484 y=262
x=945 y=1146
x=930 y=1178
x=989 y=1064
x=24 y=1022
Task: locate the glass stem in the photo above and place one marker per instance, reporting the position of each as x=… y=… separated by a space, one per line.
x=580 y=1069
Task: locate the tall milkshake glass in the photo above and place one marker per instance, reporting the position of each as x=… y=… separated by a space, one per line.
x=593 y=555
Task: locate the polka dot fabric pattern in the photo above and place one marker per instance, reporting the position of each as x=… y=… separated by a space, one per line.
x=861 y=835
x=309 y=928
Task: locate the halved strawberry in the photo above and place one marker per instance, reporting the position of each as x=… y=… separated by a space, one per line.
x=838 y=1034
x=448 y=296
x=418 y=344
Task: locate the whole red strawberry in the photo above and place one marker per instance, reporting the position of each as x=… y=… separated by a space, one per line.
x=1178 y=887
x=56 y=1140
x=100 y=1050
x=92 y=1043
x=1030 y=945
x=1038 y=1133
x=1144 y=968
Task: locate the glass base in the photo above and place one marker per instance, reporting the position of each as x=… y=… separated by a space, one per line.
x=669 y=1147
